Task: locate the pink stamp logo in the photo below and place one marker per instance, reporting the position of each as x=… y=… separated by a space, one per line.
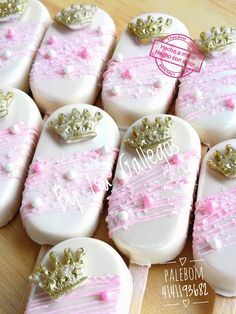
x=176 y=55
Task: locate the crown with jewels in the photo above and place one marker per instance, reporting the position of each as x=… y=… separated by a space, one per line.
x=225 y=163
x=216 y=39
x=76 y=15
x=76 y=126
x=146 y=31
x=61 y=276
x=150 y=135
x=5 y=100
x=12 y=7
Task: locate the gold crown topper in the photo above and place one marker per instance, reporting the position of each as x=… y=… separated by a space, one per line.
x=150 y=135
x=216 y=39
x=4 y=103
x=76 y=16
x=61 y=276
x=145 y=32
x=76 y=126
x=225 y=163
x=9 y=8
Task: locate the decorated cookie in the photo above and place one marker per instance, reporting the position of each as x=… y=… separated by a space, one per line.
x=207 y=99
x=81 y=275
x=153 y=189
x=20 y=124
x=22 y=26
x=214 y=236
x=70 y=174
x=133 y=85
x=70 y=62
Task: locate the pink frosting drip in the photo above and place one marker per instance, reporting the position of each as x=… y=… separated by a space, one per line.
x=16 y=149
x=86 y=299
x=206 y=93
x=58 y=193
x=135 y=77
x=25 y=34
x=215 y=222
x=164 y=184
x=83 y=50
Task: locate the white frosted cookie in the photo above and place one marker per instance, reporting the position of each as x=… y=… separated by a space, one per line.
x=133 y=85
x=214 y=236
x=20 y=124
x=151 y=200
x=22 y=27
x=92 y=278
x=207 y=99
x=70 y=174
x=70 y=62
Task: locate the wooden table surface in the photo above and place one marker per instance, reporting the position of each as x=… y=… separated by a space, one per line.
x=18 y=253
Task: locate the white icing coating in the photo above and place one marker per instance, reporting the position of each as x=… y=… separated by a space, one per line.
x=100 y=260
x=218 y=262
x=61 y=224
x=22 y=112
x=162 y=238
x=20 y=53
x=53 y=92
x=126 y=109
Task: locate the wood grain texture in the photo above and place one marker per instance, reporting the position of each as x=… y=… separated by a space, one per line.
x=18 y=253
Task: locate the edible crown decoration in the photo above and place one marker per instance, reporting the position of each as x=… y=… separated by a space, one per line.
x=76 y=126
x=216 y=39
x=5 y=100
x=224 y=163
x=76 y=15
x=61 y=276
x=150 y=135
x=146 y=31
x=12 y=7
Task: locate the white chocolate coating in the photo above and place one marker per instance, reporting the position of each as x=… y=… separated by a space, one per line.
x=156 y=233
x=214 y=239
x=80 y=82
x=18 y=53
x=139 y=98
x=68 y=218
x=100 y=260
x=23 y=113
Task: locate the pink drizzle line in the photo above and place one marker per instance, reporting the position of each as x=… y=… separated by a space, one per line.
x=85 y=299
x=212 y=80
x=91 y=166
x=68 y=50
x=26 y=34
x=159 y=182
x=220 y=223
x=145 y=74
x=17 y=149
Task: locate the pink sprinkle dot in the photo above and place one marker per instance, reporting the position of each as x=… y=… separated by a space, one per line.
x=176 y=159
x=95 y=187
x=229 y=103
x=105 y=296
x=210 y=206
x=10 y=33
x=84 y=53
x=37 y=167
x=127 y=74
x=147 y=201
x=51 y=40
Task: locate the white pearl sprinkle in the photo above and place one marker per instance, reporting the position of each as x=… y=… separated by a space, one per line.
x=203 y=64
x=105 y=149
x=122 y=175
x=198 y=94
x=115 y=90
x=123 y=215
x=7 y=53
x=100 y=29
x=15 y=129
x=215 y=243
x=71 y=174
x=118 y=57
x=9 y=167
x=51 y=53
x=68 y=69
x=37 y=202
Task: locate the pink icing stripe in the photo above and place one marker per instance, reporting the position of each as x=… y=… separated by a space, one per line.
x=155 y=183
x=141 y=84
x=65 y=182
x=16 y=149
x=69 y=50
x=215 y=223
x=86 y=299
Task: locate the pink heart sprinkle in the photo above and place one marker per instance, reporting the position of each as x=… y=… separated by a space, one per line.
x=127 y=74
x=37 y=167
x=51 y=40
x=176 y=159
x=84 y=54
x=95 y=187
x=105 y=296
x=10 y=33
x=147 y=201
x=210 y=206
x=229 y=103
